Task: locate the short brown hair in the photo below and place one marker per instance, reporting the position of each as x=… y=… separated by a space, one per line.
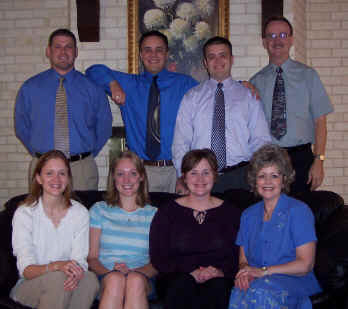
x=112 y=196
x=271 y=155
x=276 y=18
x=216 y=40
x=193 y=157
x=61 y=32
x=36 y=188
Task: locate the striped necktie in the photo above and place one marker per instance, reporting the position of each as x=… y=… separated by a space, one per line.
x=153 y=132
x=61 y=127
x=218 y=134
x=278 y=120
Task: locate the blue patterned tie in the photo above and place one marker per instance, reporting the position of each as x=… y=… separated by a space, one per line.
x=218 y=138
x=278 y=121
x=153 y=134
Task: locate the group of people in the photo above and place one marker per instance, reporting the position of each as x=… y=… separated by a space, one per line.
x=188 y=248
x=184 y=137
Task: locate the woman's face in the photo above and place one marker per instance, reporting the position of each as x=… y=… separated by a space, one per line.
x=127 y=178
x=269 y=183
x=200 y=179
x=54 y=177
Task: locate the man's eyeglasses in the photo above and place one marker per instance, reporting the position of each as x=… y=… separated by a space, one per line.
x=273 y=36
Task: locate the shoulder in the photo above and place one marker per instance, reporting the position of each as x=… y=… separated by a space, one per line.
x=25 y=211
x=78 y=208
x=297 y=207
x=261 y=74
x=149 y=209
x=252 y=211
x=37 y=79
x=99 y=207
x=197 y=90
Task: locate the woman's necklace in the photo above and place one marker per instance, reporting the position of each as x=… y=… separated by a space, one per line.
x=199 y=215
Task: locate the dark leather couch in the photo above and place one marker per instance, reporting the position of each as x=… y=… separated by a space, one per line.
x=331 y=267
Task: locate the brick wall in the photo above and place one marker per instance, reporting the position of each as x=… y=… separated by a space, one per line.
x=327 y=51
x=25 y=26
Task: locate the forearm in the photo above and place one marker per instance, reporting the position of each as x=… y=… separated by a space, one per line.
x=320 y=135
x=148 y=270
x=96 y=266
x=34 y=271
x=294 y=268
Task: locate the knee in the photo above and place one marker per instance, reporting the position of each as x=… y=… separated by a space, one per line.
x=113 y=283
x=90 y=282
x=136 y=283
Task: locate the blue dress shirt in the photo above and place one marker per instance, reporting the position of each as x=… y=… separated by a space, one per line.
x=246 y=126
x=172 y=87
x=89 y=114
x=306 y=100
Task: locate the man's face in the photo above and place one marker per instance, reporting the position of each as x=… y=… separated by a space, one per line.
x=62 y=53
x=278 y=47
x=218 y=61
x=154 y=54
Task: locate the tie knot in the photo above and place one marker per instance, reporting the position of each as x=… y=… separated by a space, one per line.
x=279 y=70
x=220 y=85
x=154 y=79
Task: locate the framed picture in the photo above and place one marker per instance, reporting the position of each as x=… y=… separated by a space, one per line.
x=187 y=25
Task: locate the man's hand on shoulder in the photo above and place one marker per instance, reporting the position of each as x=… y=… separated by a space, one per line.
x=117 y=93
x=251 y=87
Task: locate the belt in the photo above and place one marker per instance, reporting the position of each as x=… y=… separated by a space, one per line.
x=160 y=163
x=77 y=157
x=233 y=167
x=298 y=148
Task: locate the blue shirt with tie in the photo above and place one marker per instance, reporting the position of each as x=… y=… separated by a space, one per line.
x=172 y=87
x=89 y=114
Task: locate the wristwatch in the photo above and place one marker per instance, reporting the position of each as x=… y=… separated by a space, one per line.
x=320 y=157
x=265 y=270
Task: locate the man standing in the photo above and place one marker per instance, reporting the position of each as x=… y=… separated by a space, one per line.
x=149 y=106
x=61 y=109
x=295 y=104
x=220 y=114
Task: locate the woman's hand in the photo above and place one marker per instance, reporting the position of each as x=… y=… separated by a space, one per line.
x=122 y=267
x=196 y=274
x=210 y=272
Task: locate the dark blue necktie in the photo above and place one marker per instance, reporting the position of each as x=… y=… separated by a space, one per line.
x=218 y=137
x=278 y=121
x=153 y=135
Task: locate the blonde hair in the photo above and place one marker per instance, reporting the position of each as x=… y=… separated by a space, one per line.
x=112 y=196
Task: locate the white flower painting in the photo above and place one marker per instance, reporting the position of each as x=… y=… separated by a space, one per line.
x=187 y=25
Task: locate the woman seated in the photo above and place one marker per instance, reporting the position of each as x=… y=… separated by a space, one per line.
x=192 y=240
x=276 y=238
x=50 y=241
x=119 y=236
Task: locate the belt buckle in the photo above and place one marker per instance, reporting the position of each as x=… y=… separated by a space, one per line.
x=161 y=163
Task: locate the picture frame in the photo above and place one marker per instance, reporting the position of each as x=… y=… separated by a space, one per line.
x=187 y=24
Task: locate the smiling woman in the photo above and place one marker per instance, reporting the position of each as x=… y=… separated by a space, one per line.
x=192 y=240
x=49 y=216
x=119 y=237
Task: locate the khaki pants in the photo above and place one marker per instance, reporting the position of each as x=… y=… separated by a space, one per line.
x=84 y=172
x=47 y=292
x=161 y=179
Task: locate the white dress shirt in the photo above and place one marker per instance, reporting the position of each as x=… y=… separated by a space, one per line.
x=36 y=241
x=246 y=126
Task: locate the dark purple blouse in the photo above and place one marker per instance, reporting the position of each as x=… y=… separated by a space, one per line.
x=179 y=244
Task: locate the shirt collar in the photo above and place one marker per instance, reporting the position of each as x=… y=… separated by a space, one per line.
x=285 y=65
x=213 y=83
x=68 y=76
x=160 y=75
